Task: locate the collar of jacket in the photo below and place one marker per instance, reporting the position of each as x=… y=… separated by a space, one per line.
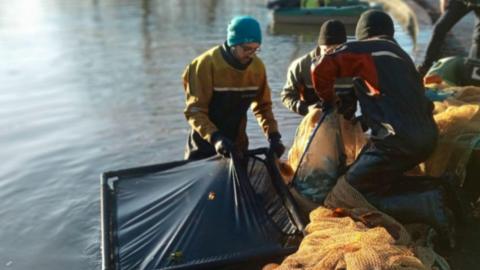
x=230 y=59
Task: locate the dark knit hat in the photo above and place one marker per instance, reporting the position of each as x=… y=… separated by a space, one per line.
x=243 y=29
x=332 y=32
x=374 y=23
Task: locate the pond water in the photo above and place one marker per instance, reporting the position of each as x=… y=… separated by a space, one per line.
x=95 y=85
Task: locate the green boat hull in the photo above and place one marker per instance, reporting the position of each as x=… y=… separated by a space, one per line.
x=346 y=14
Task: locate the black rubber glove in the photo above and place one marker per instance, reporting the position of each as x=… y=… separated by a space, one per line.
x=326 y=107
x=223 y=145
x=302 y=108
x=276 y=144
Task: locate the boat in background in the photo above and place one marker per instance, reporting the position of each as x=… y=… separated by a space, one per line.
x=348 y=13
x=308 y=31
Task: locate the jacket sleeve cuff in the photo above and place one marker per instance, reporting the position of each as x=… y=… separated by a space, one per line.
x=274 y=136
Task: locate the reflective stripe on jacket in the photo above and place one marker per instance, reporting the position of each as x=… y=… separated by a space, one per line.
x=475 y=3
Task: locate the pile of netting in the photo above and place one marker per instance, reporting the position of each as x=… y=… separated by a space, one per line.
x=458 y=120
x=349 y=233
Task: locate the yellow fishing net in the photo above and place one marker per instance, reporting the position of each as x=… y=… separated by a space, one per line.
x=321 y=154
x=350 y=134
x=357 y=236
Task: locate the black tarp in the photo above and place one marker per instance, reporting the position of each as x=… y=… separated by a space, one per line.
x=200 y=214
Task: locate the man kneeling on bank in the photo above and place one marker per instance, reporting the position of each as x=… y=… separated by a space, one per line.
x=394 y=107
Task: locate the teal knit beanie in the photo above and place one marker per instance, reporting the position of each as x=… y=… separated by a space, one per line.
x=243 y=29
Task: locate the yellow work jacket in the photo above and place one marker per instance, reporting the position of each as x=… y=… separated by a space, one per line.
x=218 y=96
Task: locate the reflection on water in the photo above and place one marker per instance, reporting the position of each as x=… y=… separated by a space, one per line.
x=306 y=31
x=91 y=86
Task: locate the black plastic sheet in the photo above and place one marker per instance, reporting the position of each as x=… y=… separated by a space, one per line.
x=189 y=215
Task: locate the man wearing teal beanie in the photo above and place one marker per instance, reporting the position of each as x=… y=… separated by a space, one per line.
x=220 y=85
